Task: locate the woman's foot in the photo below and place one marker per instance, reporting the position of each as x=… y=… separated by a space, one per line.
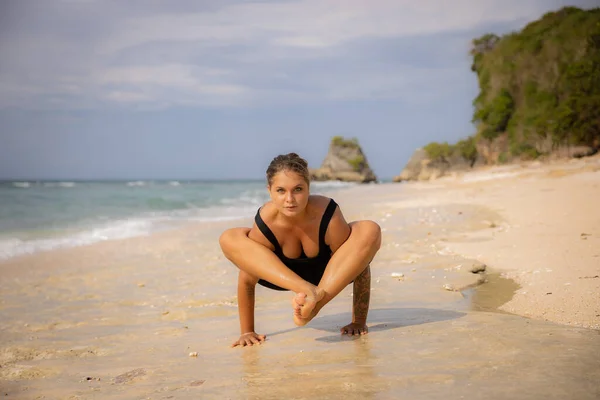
x=304 y=306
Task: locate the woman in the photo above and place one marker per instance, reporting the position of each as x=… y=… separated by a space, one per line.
x=301 y=243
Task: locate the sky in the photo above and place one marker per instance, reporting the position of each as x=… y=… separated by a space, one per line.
x=189 y=89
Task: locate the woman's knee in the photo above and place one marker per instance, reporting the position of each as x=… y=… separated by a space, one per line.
x=246 y=279
x=368 y=232
x=230 y=237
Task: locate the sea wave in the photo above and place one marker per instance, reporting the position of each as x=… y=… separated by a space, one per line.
x=59 y=184
x=13 y=247
x=42 y=220
x=136 y=183
x=142 y=225
x=253 y=198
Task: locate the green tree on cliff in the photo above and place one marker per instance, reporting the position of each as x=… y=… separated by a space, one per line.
x=539 y=85
x=541 y=82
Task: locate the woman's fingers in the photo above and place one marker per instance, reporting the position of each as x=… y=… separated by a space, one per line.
x=249 y=340
x=354 y=329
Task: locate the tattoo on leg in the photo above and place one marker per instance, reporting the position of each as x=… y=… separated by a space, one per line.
x=361 y=296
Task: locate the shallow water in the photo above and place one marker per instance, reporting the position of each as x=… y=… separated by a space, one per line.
x=410 y=352
x=496 y=291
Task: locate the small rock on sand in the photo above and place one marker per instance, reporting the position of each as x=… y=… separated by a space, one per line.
x=477 y=267
x=398 y=275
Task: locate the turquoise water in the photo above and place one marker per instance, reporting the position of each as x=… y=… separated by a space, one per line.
x=43 y=215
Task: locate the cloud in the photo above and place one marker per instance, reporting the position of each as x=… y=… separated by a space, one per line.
x=227 y=53
x=318 y=23
x=127 y=97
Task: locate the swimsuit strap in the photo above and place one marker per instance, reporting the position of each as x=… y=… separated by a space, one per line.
x=267 y=232
x=325 y=223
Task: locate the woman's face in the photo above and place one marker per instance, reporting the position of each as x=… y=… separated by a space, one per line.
x=289 y=192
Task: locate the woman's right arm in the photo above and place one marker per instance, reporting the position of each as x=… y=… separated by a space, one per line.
x=246 y=298
x=246 y=291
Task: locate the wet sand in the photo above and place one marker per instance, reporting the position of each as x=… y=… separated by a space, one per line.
x=119 y=319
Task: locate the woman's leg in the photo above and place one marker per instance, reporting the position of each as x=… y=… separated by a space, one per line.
x=347 y=263
x=258 y=261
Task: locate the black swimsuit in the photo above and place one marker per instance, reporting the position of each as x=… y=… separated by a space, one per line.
x=308 y=268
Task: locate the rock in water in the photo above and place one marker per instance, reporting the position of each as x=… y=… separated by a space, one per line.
x=346 y=162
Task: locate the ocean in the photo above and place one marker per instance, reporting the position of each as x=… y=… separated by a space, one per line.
x=44 y=215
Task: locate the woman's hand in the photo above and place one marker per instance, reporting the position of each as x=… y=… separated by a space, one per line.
x=354 y=329
x=249 y=339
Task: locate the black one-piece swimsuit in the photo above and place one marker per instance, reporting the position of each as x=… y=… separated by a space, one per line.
x=310 y=269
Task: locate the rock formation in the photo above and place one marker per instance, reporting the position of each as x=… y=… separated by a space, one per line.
x=346 y=162
x=421 y=167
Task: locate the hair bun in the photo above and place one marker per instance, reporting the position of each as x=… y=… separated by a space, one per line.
x=291 y=161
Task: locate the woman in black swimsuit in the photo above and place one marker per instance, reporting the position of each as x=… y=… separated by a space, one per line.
x=301 y=243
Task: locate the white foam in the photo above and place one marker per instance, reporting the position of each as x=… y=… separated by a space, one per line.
x=125 y=228
x=66 y=184
x=12 y=247
x=21 y=184
x=59 y=184
x=136 y=183
x=252 y=198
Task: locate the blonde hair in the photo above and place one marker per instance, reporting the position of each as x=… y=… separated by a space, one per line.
x=288 y=162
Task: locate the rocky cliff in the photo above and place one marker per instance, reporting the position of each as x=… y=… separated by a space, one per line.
x=539 y=97
x=427 y=164
x=345 y=161
x=421 y=167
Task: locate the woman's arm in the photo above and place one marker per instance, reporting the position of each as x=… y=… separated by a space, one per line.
x=246 y=299
x=361 y=296
x=337 y=234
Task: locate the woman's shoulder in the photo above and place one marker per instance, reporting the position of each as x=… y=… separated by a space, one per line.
x=267 y=210
x=318 y=206
x=319 y=201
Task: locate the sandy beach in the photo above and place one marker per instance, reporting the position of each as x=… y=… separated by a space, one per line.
x=487 y=285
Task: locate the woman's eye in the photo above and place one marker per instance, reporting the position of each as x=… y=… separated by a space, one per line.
x=299 y=189
x=280 y=190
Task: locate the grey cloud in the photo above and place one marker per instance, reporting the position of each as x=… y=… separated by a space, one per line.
x=61 y=54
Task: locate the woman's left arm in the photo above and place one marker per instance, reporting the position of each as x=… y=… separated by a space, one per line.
x=337 y=234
